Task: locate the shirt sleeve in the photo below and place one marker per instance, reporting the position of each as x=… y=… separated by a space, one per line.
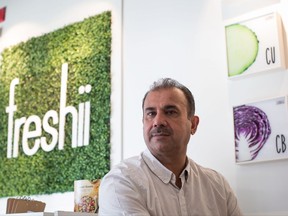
x=232 y=203
x=119 y=196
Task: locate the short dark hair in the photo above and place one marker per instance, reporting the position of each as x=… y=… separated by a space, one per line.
x=165 y=83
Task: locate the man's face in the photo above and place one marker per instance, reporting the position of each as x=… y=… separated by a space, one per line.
x=166 y=126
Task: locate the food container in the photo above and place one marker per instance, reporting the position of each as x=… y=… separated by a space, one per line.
x=86 y=196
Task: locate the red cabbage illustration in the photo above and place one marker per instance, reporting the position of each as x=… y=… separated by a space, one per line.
x=252 y=130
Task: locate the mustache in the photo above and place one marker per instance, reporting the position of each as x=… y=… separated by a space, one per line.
x=160 y=131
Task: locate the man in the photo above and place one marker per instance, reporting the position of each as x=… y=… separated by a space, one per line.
x=163 y=180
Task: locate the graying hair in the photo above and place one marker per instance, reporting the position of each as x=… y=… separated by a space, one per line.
x=165 y=83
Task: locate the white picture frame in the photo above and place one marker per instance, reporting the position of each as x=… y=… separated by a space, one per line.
x=254 y=45
x=261 y=130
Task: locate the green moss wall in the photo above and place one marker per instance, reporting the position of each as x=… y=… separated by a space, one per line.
x=86 y=47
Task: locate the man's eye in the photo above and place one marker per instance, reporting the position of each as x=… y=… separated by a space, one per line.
x=151 y=114
x=171 y=112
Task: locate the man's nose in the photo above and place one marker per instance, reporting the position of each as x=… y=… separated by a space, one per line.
x=160 y=120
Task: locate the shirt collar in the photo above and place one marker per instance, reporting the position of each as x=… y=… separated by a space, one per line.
x=161 y=171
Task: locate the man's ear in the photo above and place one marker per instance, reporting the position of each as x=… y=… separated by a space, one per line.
x=194 y=125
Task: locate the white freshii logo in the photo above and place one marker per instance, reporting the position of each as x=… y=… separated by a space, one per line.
x=80 y=123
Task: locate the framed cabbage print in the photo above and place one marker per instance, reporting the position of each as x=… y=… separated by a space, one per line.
x=254 y=45
x=261 y=130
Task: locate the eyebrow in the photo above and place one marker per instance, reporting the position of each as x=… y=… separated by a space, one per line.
x=149 y=109
x=170 y=107
x=166 y=107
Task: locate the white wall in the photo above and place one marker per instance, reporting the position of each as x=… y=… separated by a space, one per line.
x=261 y=187
x=184 y=40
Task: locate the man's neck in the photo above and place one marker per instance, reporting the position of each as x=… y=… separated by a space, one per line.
x=174 y=164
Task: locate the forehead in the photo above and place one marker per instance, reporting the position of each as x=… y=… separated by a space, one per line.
x=164 y=97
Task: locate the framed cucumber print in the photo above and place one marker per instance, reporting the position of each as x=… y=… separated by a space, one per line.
x=254 y=45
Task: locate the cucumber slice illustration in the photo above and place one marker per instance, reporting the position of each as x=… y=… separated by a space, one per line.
x=242 y=48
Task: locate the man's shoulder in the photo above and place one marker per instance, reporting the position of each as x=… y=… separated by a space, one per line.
x=132 y=172
x=205 y=172
x=129 y=163
x=127 y=167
